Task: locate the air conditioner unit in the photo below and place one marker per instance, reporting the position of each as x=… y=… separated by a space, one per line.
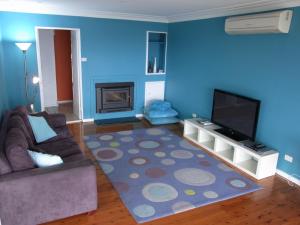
x=274 y=22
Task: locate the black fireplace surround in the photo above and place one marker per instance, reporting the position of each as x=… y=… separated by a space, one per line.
x=114 y=97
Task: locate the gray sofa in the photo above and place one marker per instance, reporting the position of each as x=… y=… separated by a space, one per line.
x=30 y=195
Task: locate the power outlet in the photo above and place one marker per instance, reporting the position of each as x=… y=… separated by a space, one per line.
x=194 y=115
x=288 y=158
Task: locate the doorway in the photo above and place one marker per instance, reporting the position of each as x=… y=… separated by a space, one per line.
x=59 y=65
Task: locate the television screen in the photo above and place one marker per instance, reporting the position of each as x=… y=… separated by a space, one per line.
x=236 y=114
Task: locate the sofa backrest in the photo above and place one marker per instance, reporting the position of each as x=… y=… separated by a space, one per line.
x=4 y=164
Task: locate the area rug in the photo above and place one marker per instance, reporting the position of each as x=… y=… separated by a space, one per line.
x=158 y=173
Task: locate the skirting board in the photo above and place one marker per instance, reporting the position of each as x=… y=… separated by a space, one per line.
x=89 y=120
x=288 y=177
x=64 y=101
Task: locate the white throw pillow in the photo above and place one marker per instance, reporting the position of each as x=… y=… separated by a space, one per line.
x=44 y=160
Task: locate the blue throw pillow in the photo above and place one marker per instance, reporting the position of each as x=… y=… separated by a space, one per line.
x=44 y=160
x=41 y=129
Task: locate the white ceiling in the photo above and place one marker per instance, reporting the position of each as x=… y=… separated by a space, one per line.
x=146 y=10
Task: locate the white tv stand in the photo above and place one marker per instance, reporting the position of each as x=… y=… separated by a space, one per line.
x=257 y=164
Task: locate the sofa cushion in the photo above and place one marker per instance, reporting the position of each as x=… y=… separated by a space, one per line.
x=43 y=160
x=63 y=148
x=41 y=129
x=23 y=112
x=16 y=121
x=4 y=164
x=16 y=150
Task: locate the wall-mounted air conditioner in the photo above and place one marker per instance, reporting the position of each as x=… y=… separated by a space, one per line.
x=273 y=22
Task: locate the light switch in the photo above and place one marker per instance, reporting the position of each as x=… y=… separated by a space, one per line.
x=83 y=59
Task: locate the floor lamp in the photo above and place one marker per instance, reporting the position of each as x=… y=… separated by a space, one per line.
x=24 y=47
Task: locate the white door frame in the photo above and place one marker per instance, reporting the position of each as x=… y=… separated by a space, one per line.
x=80 y=100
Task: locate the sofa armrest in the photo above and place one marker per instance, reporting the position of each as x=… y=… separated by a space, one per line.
x=57 y=120
x=45 y=194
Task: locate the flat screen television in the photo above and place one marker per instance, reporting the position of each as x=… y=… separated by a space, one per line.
x=236 y=114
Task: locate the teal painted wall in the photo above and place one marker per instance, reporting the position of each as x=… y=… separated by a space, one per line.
x=115 y=50
x=202 y=57
x=3 y=95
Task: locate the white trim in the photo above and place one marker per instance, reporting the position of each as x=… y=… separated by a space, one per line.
x=74 y=121
x=139 y=115
x=256 y=6
x=64 y=101
x=89 y=120
x=83 y=13
x=147 y=49
x=288 y=177
x=237 y=9
x=37 y=28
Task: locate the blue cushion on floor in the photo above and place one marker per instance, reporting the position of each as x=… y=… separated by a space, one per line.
x=159 y=105
x=160 y=121
x=159 y=114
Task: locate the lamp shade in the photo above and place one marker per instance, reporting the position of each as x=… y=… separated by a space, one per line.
x=23 y=46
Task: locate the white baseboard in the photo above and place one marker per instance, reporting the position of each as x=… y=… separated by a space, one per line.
x=139 y=115
x=288 y=177
x=65 y=101
x=89 y=120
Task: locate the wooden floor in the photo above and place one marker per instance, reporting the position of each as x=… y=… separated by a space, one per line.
x=278 y=203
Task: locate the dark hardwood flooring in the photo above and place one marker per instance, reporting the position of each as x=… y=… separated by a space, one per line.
x=278 y=203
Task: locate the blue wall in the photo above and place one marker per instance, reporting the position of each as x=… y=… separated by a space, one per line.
x=3 y=96
x=267 y=67
x=115 y=50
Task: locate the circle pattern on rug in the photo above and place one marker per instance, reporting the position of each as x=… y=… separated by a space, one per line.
x=200 y=156
x=138 y=161
x=148 y=144
x=121 y=186
x=106 y=137
x=224 y=167
x=160 y=154
x=189 y=192
x=155 y=131
x=126 y=139
x=166 y=138
x=194 y=177
x=134 y=175
x=114 y=144
x=107 y=168
x=155 y=172
x=144 y=211
x=238 y=183
x=204 y=163
x=108 y=154
x=159 y=192
x=210 y=194
x=182 y=206
x=181 y=154
x=93 y=144
x=133 y=151
x=125 y=132
x=86 y=138
x=186 y=145
x=168 y=162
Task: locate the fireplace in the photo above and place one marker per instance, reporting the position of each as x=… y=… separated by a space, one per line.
x=114 y=97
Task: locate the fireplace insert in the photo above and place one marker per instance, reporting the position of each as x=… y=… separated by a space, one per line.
x=114 y=97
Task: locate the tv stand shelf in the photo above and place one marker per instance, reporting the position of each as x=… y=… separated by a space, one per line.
x=257 y=164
